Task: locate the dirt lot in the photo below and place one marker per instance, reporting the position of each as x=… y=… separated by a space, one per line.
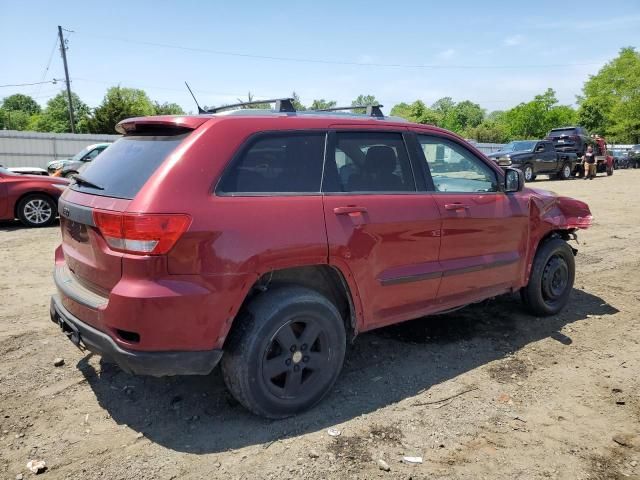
x=486 y=392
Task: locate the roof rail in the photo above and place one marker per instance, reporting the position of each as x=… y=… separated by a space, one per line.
x=282 y=105
x=371 y=110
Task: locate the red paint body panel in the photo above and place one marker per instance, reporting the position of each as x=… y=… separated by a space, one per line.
x=487 y=237
x=398 y=236
x=396 y=253
x=14 y=187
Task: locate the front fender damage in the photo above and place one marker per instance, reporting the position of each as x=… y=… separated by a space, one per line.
x=563 y=213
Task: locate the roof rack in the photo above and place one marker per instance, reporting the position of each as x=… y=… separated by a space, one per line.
x=282 y=105
x=371 y=110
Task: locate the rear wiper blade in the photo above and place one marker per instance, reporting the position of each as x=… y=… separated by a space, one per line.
x=83 y=181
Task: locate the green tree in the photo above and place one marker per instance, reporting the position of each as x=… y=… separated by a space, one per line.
x=167 y=108
x=443 y=105
x=610 y=103
x=251 y=98
x=119 y=103
x=14 y=119
x=464 y=115
x=534 y=119
x=416 y=112
x=489 y=132
x=365 y=100
x=322 y=104
x=444 y=108
x=21 y=103
x=55 y=117
x=297 y=104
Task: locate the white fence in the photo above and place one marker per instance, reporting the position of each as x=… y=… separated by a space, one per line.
x=35 y=149
x=487 y=148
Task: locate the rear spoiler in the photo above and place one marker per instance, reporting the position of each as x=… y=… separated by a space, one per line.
x=160 y=125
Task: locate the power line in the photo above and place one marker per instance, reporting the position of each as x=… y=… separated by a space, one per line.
x=46 y=69
x=331 y=62
x=150 y=87
x=54 y=81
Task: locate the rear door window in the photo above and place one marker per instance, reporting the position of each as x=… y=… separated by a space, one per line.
x=122 y=169
x=369 y=162
x=277 y=164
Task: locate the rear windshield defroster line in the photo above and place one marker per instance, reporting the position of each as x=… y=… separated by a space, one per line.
x=124 y=167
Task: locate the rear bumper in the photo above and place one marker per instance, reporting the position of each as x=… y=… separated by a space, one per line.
x=157 y=364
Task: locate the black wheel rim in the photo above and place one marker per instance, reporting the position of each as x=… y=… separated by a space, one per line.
x=555 y=279
x=297 y=360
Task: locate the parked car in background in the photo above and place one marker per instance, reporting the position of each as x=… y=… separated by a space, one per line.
x=27 y=170
x=264 y=240
x=33 y=199
x=634 y=157
x=570 y=139
x=536 y=157
x=620 y=159
x=68 y=167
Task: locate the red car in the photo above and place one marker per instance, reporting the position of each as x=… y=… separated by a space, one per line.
x=265 y=239
x=31 y=198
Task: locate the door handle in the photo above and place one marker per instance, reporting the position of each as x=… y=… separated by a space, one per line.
x=349 y=210
x=456 y=206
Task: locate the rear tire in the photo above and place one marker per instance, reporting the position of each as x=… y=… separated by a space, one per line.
x=285 y=352
x=551 y=279
x=37 y=210
x=565 y=173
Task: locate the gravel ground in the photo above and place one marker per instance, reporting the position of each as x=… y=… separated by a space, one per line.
x=485 y=392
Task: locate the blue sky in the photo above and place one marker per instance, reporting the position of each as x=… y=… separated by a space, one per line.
x=494 y=53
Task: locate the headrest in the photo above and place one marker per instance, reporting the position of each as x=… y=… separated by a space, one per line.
x=380 y=159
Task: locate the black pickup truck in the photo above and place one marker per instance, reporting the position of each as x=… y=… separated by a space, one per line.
x=535 y=157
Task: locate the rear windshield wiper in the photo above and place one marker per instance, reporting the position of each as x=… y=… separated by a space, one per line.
x=83 y=181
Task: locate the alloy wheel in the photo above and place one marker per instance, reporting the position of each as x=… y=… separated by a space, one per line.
x=37 y=211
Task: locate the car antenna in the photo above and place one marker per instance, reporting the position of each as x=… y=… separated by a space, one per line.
x=200 y=110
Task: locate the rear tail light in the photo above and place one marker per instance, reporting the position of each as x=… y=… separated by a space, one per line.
x=146 y=234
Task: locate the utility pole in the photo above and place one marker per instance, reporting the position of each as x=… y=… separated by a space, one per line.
x=63 y=50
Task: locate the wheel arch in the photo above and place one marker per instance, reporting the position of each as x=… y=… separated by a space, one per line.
x=563 y=234
x=325 y=279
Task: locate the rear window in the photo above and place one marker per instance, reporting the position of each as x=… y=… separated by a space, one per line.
x=123 y=168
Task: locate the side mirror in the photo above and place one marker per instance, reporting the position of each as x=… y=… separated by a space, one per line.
x=513 y=180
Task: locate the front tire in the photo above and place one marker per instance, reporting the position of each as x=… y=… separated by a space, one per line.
x=529 y=176
x=70 y=175
x=36 y=211
x=551 y=279
x=285 y=353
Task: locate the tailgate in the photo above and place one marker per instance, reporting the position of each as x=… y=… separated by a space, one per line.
x=86 y=253
x=107 y=187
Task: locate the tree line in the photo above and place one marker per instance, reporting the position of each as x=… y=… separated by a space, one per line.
x=609 y=105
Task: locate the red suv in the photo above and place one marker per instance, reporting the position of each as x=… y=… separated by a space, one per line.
x=263 y=240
